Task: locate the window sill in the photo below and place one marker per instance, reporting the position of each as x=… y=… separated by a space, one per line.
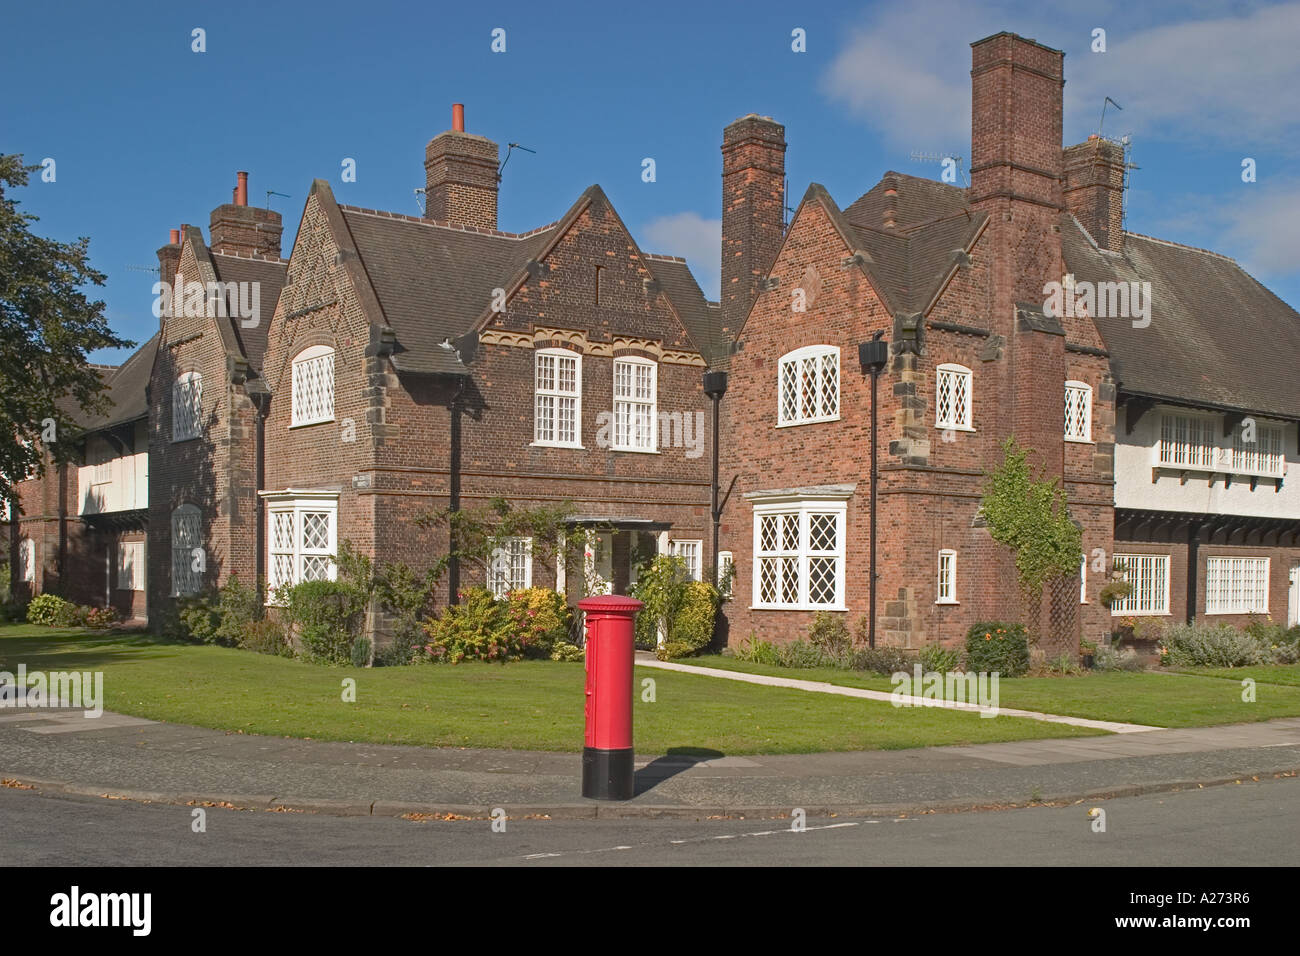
x=798 y=607
x=1225 y=613
x=948 y=603
x=319 y=421
x=177 y=441
x=635 y=451
x=1079 y=441
x=954 y=428
x=1141 y=614
x=555 y=444
x=808 y=421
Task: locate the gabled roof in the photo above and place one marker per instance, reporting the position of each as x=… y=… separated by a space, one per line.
x=125 y=386
x=433 y=281
x=270 y=276
x=1217 y=337
x=932 y=223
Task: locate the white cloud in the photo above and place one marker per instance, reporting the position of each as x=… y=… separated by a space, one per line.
x=1259 y=227
x=694 y=238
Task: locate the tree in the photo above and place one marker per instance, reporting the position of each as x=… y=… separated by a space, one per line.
x=47 y=325
x=1031 y=517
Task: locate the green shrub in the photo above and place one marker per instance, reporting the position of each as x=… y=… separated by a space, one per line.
x=670 y=650
x=692 y=624
x=1064 y=664
x=758 y=651
x=99 y=618
x=829 y=634
x=237 y=606
x=564 y=651
x=881 y=660
x=1116 y=659
x=51 y=611
x=938 y=659
x=267 y=636
x=661 y=588
x=997 y=646
x=541 y=619
x=326 y=617
x=1212 y=645
x=801 y=653
x=198 y=619
x=478 y=628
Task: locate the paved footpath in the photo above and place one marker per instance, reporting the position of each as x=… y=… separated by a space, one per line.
x=132 y=758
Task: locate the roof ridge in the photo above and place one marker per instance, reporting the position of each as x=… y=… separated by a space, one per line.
x=662 y=257
x=444 y=224
x=260 y=257
x=1181 y=245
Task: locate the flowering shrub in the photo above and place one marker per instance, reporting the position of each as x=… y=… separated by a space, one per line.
x=52 y=611
x=99 y=618
x=997 y=646
x=478 y=628
x=540 y=618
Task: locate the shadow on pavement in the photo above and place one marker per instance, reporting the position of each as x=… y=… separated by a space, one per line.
x=672 y=763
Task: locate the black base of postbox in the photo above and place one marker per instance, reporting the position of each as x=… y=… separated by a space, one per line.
x=607 y=774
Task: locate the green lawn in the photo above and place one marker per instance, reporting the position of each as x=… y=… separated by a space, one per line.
x=534 y=705
x=1199 y=698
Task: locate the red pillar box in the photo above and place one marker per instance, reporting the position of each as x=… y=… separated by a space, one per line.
x=607 y=772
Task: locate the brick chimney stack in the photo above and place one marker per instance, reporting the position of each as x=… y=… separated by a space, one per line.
x=1094 y=189
x=242 y=230
x=753 y=197
x=1016 y=161
x=461 y=176
x=169 y=258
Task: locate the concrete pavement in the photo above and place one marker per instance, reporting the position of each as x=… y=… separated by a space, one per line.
x=128 y=757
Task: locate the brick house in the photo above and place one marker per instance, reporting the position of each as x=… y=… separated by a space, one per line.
x=421 y=363
x=955 y=279
x=207 y=396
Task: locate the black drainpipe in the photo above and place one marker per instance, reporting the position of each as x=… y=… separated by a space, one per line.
x=262 y=403
x=453 y=563
x=1193 y=566
x=873 y=355
x=715 y=386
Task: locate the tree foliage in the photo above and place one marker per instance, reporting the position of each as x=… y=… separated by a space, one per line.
x=477 y=532
x=1031 y=517
x=47 y=325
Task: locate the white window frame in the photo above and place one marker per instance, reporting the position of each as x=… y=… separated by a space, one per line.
x=800 y=508
x=130 y=574
x=297 y=504
x=102 y=470
x=624 y=436
x=1083 y=390
x=946 y=578
x=557 y=397
x=1265 y=456
x=187 y=406
x=726 y=561
x=691 y=551
x=1126 y=607
x=500 y=575
x=798 y=363
x=185 y=580
x=314 y=357
x=27 y=560
x=964 y=420
x=1229 y=578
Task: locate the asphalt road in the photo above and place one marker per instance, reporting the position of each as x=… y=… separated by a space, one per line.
x=1250 y=824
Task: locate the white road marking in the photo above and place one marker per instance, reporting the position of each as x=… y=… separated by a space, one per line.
x=724 y=836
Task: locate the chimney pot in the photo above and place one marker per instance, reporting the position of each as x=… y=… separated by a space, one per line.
x=458 y=117
x=174 y=238
x=241 y=191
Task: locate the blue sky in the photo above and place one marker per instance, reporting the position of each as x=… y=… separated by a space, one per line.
x=147 y=134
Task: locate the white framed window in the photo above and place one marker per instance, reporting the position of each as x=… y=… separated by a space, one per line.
x=1236 y=585
x=511 y=566
x=187 y=578
x=102 y=458
x=1187 y=441
x=635 y=400
x=302 y=538
x=1149 y=575
x=946 y=588
x=952 y=397
x=130 y=566
x=689 y=552
x=313 y=386
x=27 y=560
x=1078 y=412
x=809 y=386
x=187 y=406
x=1263 y=456
x=558 y=398
x=799 y=554
x=726 y=562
